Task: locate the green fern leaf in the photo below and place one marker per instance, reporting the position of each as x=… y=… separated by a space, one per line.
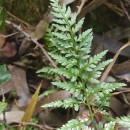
x=85 y=40
x=67 y=103
x=73 y=19
x=3 y=76
x=3 y=106
x=73 y=125
x=96 y=73
x=124 y=121
x=97 y=58
x=110 y=126
x=78 y=25
x=104 y=90
x=61 y=28
x=74 y=88
x=63 y=60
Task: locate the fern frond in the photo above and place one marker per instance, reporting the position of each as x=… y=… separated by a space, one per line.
x=67 y=103
x=96 y=73
x=61 y=71
x=78 y=25
x=73 y=125
x=61 y=28
x=93 y=61
x=3 y=76
x=109 y=87
x=45 y=70
x=110 y=126
x=61 y=11
x=74 y=88
x=124 y=121
x=104 y=92
x=63 y=60
x=62 y=36
x=85 y=40
x=73 y=19
x=102 y=65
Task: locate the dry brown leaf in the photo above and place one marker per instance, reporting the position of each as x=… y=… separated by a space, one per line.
x=7 y=87
x=12 y=116
x=36 y=35
x=54 y=118
x=20 y=85
x=117 y=106
x=125 y=76
x=60 y=95
x=122 y=70
x=40 y=30
x=8 y=50
x=30 y=109
x=119 y=33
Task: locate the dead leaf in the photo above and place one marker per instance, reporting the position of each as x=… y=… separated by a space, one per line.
x=30 y=109
x=125 y=76
x=37 y=34
x=40 y=30
x=119 y=33
x=121 y=68
x=12 y=116
x=54 y=118
x=8 y=50
x=20 y=85
x=7 y=87
x=110 y=44
x=117 y=106
x=60 y=95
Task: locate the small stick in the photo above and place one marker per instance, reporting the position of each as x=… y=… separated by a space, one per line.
x=5 y=36
x=81 y=6
x=127 y=14
x=114 y=8
x=18 y=19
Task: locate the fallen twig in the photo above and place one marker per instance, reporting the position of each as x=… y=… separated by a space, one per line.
x=114 y=8
x=127 y=14
x=81 y=6
x=18 y=19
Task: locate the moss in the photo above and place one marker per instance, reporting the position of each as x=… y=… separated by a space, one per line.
x=30 y=11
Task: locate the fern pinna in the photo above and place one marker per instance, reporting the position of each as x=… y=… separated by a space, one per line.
x=81 y=71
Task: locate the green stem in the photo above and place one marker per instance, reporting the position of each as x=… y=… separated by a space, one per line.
x=91 y=114
x=89 y=106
